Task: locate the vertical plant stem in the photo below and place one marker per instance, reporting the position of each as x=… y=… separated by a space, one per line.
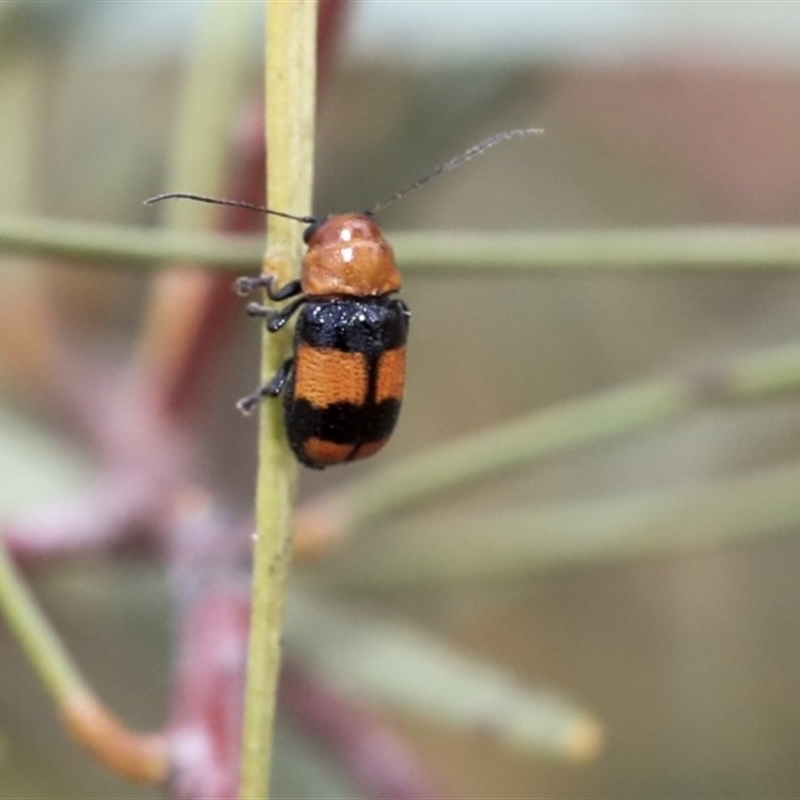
x=291 y=89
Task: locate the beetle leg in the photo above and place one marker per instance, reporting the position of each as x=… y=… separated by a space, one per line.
x=246 y=285
x=272 y=389
x=277 y=319
x=285 y=292
x=257 y=310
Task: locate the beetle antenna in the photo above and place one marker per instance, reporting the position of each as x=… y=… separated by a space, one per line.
x=223 y=202
x=468 y=154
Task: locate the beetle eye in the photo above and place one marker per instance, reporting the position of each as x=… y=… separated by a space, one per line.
x=312 y=229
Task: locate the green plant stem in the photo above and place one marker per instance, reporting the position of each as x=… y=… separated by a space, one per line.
x=134 y=756
x=379 y=660
x=685 y=249
x=290 y=107
x=125 y=245
x=540 y=539
x=634 y=249
x=213 y=91
x=418 y=479
x=44 y=649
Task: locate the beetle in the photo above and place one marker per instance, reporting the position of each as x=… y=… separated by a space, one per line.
x=343 y=385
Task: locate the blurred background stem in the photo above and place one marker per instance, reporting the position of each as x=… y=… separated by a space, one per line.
x=412 y=482
x=213 y=92
x=42 y=646
x=547 y=538
x=688 y=249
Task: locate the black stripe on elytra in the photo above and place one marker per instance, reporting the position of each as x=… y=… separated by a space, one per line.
x=370 y=405
x=365 y=325
x=341 y=423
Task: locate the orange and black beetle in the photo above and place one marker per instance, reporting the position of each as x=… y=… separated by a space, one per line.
x=343 y=385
